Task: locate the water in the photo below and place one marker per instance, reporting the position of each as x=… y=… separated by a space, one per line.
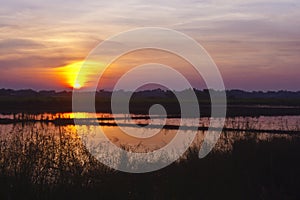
x=43 y=159
x=149 y=142
x=48 y=148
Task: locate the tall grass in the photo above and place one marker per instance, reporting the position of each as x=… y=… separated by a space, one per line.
x=40 y=163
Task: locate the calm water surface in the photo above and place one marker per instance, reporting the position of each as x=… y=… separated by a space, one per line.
x=52 y=146
x=149 y=142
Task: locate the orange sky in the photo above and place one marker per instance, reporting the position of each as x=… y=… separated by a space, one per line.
x=255 y=44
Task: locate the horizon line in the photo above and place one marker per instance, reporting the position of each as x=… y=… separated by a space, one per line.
x=107 y=90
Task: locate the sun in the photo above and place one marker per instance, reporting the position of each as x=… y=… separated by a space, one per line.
x=71 y=77
x=77 y=86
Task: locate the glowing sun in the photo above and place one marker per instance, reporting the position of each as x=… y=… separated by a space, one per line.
x=77 y=86
x=70 y=73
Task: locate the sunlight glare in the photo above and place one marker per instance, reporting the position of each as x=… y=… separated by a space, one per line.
x=77 y=86
x=70 y=72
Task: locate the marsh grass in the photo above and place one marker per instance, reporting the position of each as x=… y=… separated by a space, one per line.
x=42 y=163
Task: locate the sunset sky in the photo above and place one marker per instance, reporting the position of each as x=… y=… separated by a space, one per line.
x=255 y=44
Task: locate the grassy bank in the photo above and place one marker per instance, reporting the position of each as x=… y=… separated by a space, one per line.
x=38 y=166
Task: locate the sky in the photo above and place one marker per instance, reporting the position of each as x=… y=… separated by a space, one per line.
x=255 y=44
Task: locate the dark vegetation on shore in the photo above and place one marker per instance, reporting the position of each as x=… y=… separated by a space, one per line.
x=38 y=166
x=240 y=103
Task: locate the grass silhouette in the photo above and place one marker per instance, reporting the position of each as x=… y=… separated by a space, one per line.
x=40 y=164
